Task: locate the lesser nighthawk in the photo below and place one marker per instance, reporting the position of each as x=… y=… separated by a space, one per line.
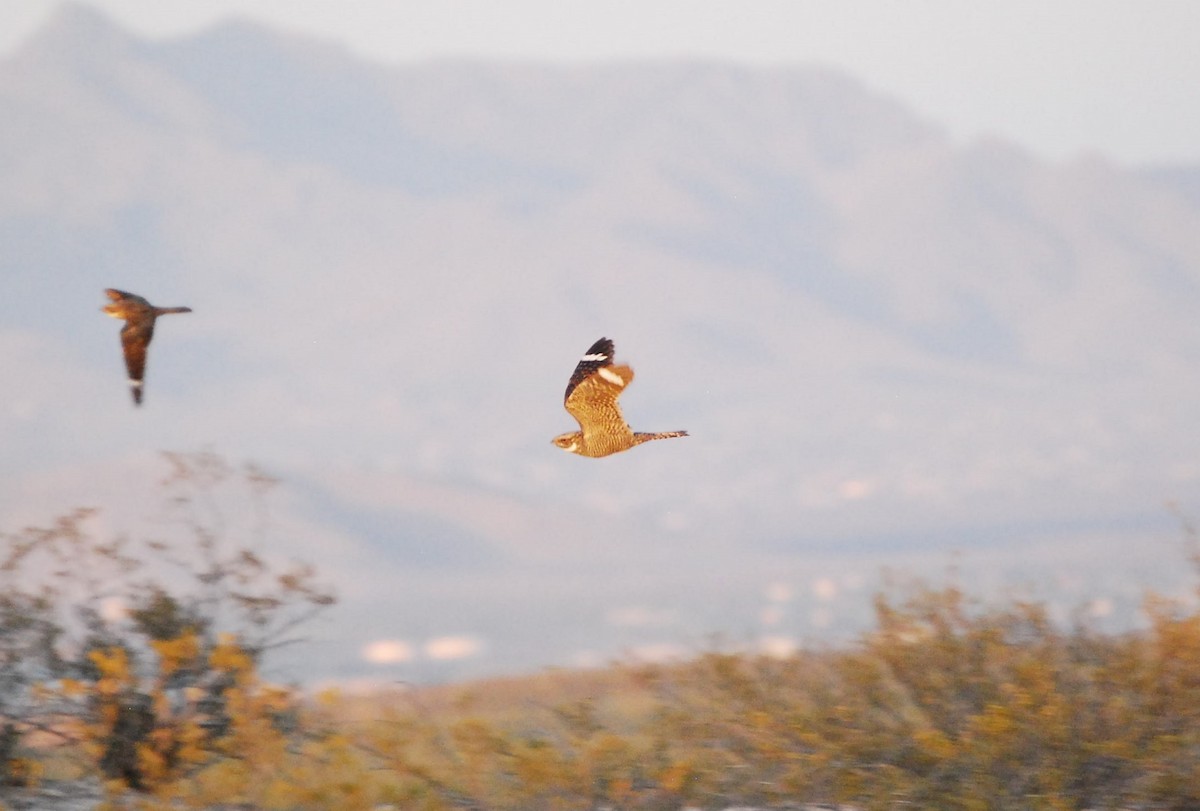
x=139 y=316
x=591 y=399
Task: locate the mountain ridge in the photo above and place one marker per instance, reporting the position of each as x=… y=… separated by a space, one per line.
x=871 y=332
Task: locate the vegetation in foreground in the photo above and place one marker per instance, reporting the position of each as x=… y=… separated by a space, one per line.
x=946 y=703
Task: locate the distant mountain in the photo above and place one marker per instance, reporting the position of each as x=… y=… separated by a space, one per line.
x=887 y=346
x=1183 y=180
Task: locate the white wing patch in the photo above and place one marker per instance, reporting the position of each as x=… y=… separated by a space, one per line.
x=600 y=356
x=610 y=376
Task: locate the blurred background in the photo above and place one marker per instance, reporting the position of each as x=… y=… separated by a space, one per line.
x=920 y=280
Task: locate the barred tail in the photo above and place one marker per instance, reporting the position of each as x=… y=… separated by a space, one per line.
x=639 y=437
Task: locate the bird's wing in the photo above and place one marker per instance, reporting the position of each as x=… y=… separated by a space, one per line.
x=593 y=400
x=135 y=337
x=121 y=295
x=599 y=354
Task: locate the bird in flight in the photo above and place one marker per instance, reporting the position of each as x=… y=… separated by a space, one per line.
x=591 y=399
x=139 y=316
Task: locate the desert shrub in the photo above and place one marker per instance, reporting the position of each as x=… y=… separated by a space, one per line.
x=142 y=658
x=946 y=703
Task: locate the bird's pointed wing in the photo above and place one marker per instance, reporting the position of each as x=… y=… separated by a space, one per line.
x=599 y=355
x=593 y=389
x=121 y=296
x=593 y=400
x=135 y=339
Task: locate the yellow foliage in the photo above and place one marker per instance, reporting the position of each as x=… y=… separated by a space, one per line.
x=175 y=653
x=934 y=744
x=947 y=704
x=23 y=771
x=228 y=656
x=995 y=722
x=329 y=697
x=113 y=666
x=676 y=776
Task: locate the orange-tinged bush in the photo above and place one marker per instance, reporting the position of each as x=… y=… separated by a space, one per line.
x=947 y=703
x=150 y=697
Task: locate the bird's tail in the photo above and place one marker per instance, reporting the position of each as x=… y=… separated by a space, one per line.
x=640 y=437
x=169 y=310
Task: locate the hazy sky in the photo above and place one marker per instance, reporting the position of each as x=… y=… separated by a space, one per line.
x=1119 y=77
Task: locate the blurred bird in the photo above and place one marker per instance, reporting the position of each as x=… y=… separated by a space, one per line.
x=139 y=316
x=591 y=399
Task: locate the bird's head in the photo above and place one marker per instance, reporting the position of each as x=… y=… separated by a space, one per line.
x=569 y=442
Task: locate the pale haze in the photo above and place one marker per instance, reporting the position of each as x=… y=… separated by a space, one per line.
x=1116 y=77
x=920 y=279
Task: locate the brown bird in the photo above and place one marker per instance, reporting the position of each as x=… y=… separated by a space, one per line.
x=591 y=399
x=139 y=316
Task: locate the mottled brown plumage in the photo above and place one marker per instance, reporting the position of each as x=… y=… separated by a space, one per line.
x=139 y=316
x=591 y=399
